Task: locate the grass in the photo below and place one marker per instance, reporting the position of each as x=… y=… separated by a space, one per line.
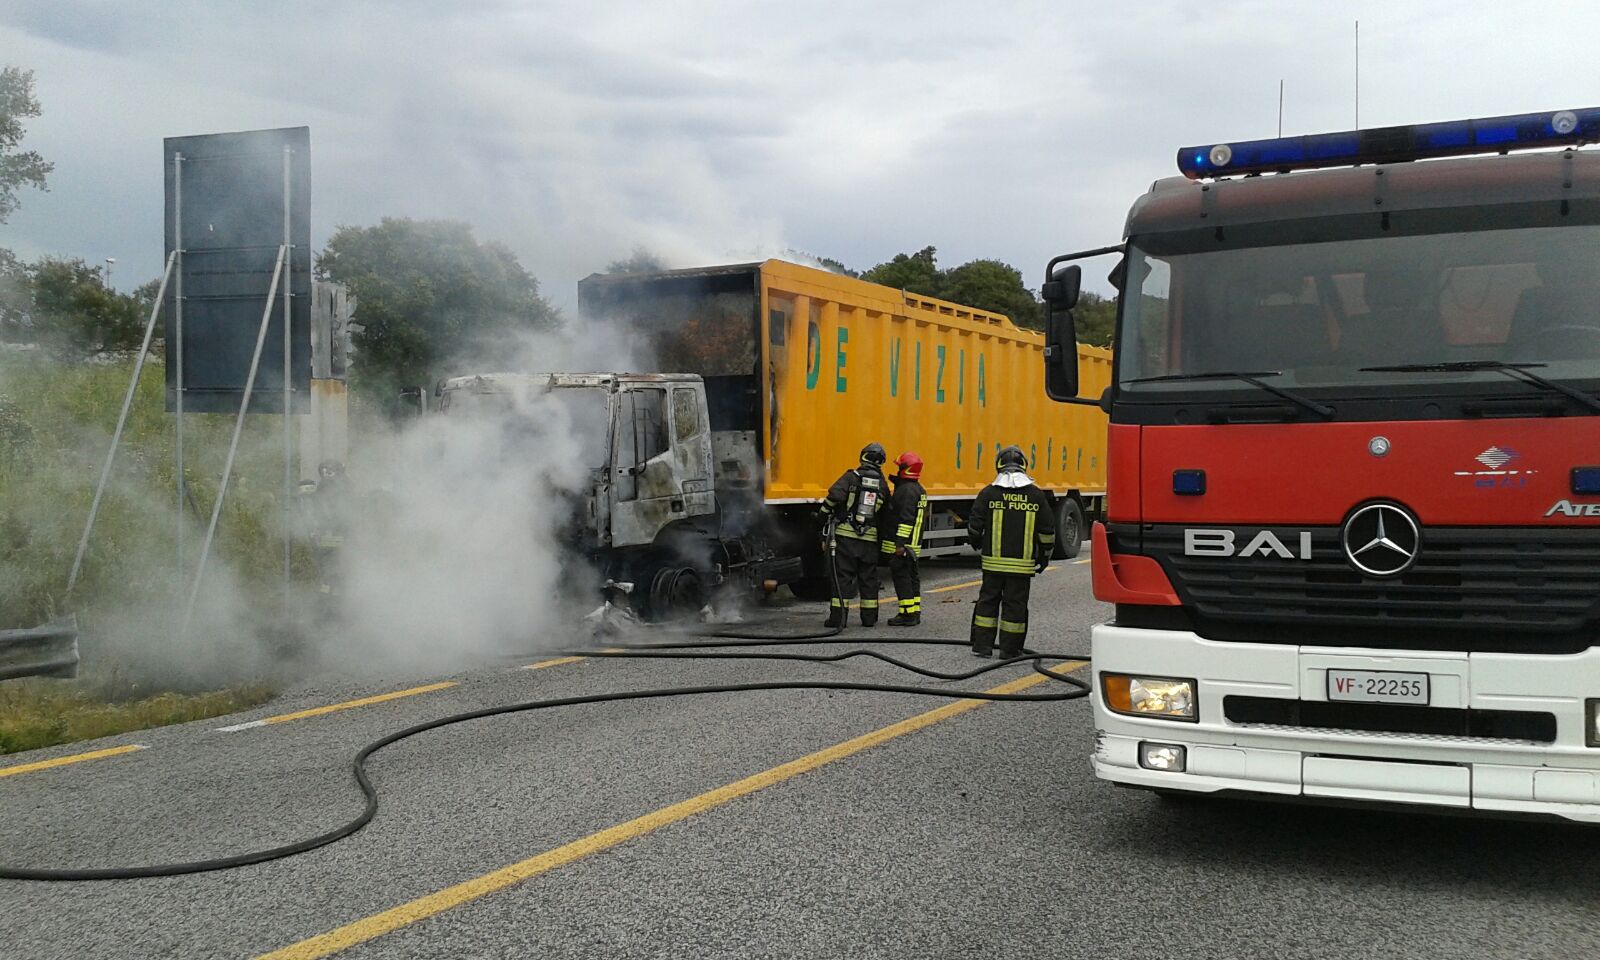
x=56 y=420
x=36 y=714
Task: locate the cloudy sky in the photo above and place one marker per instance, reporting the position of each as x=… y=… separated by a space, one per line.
x=709 y=131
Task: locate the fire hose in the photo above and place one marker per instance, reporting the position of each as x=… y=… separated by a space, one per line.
x=716 y=647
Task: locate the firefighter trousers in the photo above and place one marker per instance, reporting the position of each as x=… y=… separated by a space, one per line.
x=907 y=581
x=1001 y=613
x=855 y=565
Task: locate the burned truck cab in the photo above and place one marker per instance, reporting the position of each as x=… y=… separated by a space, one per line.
x=629 y=454
x=661 y=457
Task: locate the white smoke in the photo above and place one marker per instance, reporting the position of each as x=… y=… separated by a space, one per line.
x=456 y=521
x=454 y=556
x=452 y=529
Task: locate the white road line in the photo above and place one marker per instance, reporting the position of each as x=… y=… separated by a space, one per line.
x=242 y=726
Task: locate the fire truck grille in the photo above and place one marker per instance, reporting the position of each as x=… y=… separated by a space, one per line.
x=1472 y=588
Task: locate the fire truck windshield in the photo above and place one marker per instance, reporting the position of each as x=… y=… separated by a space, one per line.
x=1329 y=316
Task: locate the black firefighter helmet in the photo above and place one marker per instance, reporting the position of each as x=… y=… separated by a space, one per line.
x=1010 y=458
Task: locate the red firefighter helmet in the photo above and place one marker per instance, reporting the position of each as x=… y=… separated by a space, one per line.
x=910 y=465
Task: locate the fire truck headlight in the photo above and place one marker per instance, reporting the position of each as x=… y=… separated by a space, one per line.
x=1162 y=697
x=1591 y=722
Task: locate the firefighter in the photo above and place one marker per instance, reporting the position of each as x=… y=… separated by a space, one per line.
x=1013 y=525
x=908 y=511
x=855 y=507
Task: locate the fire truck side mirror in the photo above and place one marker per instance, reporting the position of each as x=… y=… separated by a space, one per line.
x=1060 y=291
x=1060 y=294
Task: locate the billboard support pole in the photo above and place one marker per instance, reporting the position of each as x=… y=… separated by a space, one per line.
x=233 y=446
x=288 y=422
x=177 y=334
x=122 y=420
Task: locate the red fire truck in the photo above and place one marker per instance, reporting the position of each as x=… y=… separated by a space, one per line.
x=1353 y=516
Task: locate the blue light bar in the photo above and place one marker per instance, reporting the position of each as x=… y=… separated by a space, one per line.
x=1392 y=144
x=1586 y=479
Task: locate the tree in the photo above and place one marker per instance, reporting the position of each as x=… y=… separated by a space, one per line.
x=145 y=293
x=18 y=168
x=995 y=286
x=1095 y=317
x=430 y=294
x=65 y=306
x=835 y=266
x=984 y=284
x=639 y=261
x=918 y=273
x=15 y=296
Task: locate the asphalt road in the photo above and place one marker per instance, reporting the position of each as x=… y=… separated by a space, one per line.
x=974 y=831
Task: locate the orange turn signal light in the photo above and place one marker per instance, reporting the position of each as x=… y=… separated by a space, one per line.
x=1117 y=695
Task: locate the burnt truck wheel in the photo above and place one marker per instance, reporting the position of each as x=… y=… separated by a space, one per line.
x=1069 y=529
x=676 y=593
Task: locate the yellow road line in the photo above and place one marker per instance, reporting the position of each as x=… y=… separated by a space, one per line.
x=347 y=705
x=72 y=758
x=422 y=908
x=552 y=663
x=380 y=698
x=954 y=586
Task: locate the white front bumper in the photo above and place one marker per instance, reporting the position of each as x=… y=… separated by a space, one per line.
x=1561 y=778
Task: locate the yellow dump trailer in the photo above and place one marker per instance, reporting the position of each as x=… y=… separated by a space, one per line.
x=804 y=367
x=848 y=362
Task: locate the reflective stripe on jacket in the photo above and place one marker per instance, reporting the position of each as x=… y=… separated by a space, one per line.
x=1014 y=528
x=908 y=511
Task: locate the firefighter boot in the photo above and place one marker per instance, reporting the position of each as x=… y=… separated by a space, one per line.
x=836 y=616
x=869 y=614
x=905 y=620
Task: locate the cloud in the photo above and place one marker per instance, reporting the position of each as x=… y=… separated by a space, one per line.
x=712 y=130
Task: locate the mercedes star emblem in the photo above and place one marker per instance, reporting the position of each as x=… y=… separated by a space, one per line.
x=1381 y=539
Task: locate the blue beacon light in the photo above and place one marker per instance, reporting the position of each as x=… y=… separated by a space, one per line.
x=1526 y=131
x=1586 y=480
x=1189 y=483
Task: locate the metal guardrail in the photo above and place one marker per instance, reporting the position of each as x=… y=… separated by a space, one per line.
x=46 y=651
